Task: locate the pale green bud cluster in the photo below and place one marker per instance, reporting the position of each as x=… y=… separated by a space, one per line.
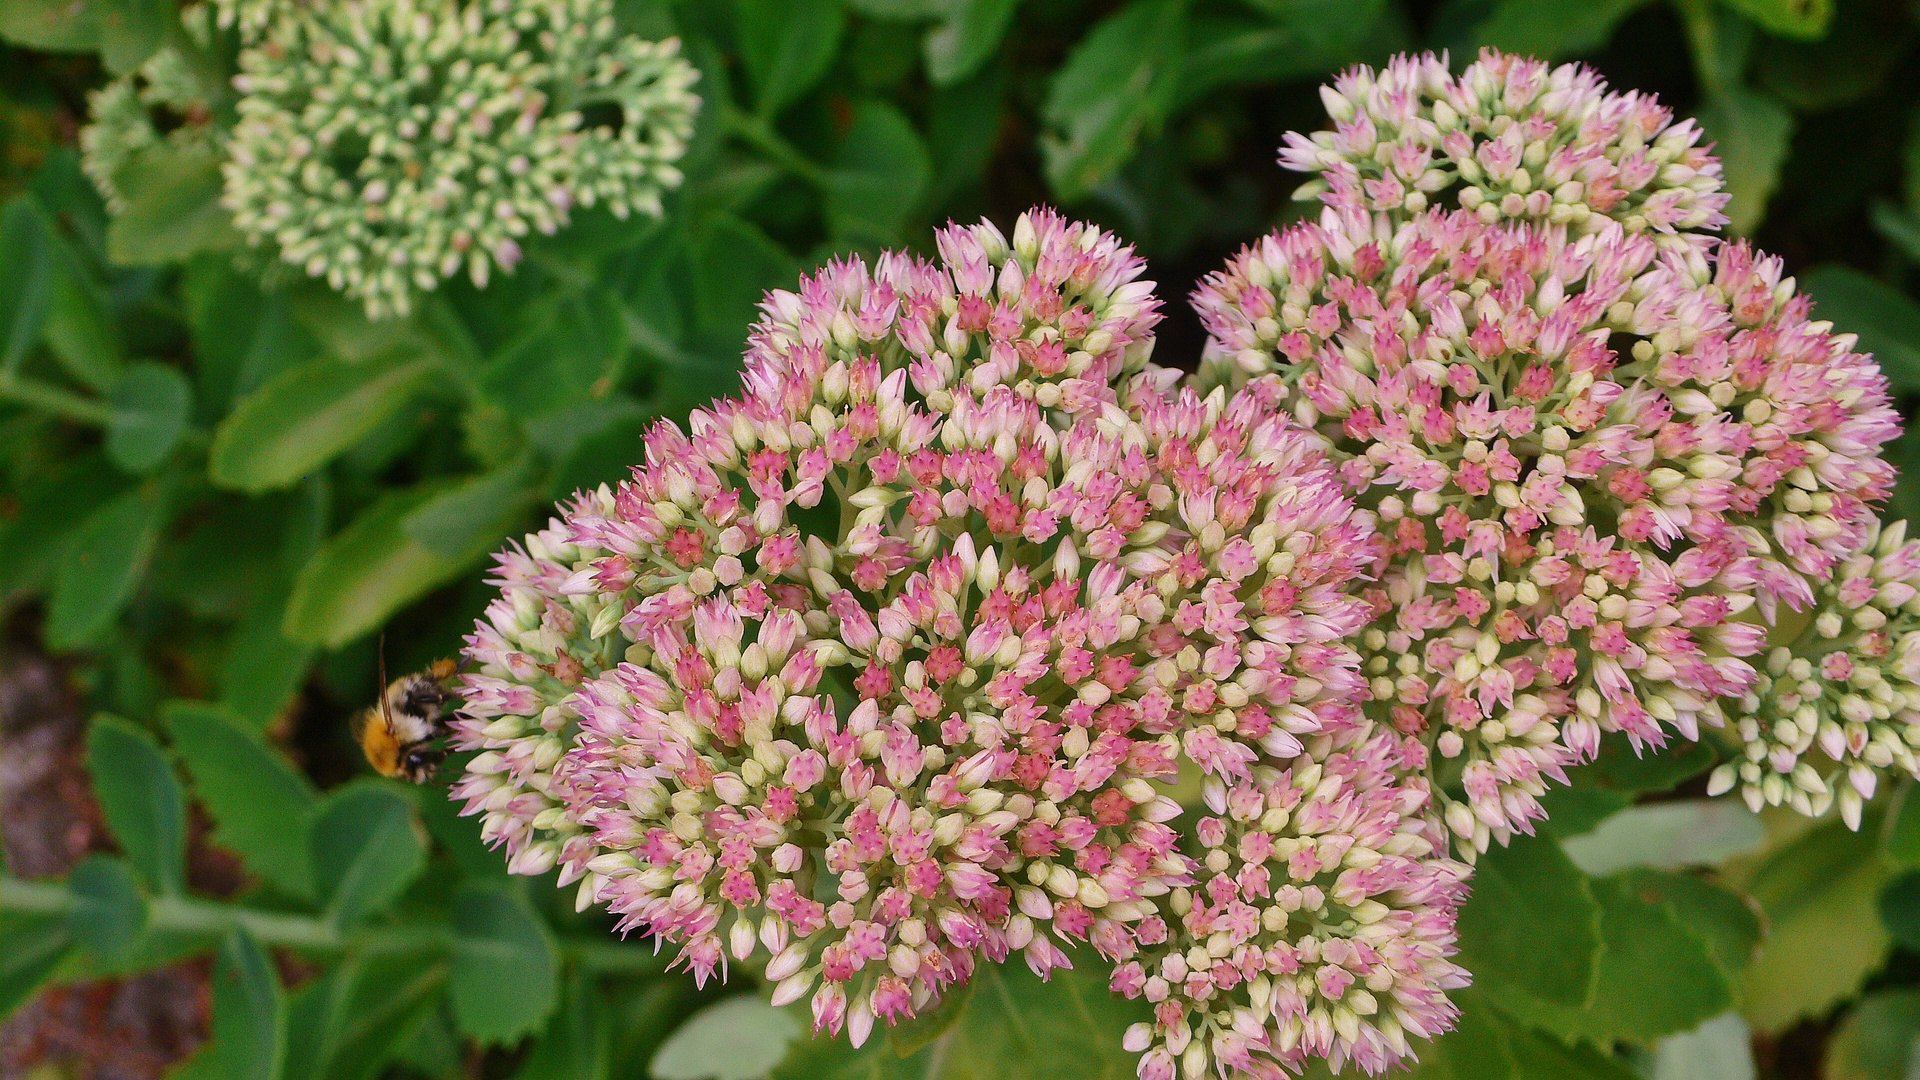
x=123 y=113
x=1850 y=689
x=386 y=145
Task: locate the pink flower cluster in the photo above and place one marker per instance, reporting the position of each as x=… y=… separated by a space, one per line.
x=879 y=668
x=1335 y=838
x=1849 y=687
x=888 y=665
x=1509 y=139
x=1590 y=455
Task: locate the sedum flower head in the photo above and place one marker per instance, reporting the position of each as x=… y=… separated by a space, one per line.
x=1850 y=689
x=254 y=20
x=1591 y=457
x=389 y=144
x=1325 y=922
x=125 y=109
x=1510 y=139
x=874 y=669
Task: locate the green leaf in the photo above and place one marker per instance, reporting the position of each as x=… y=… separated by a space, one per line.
x=1611 y=781
x=1116 y=85
x=741 y=1038
x=905 y=10
x=368 y=571
x=574 y=1046
x=1654 y=976
x=349 y=1023
x=109 y=910
x=1531 y=924
x=733 y=266
x=249 y=1018
x=52 y=25
x=308 y=416
x=909 y=1036
x=968 y=38
x=1719 y=1049
x=150 y=407
x=963 y=130
x=1541 y=1057
x=28 y=282
x=474 y=515
x=261 y=669
x=1902 y=833
x=1846 y=66
x=505 y=981
x=173 y=206
x=1752 y=133
x=1898 y=228
x=31 y=947
x=1551 y=29
x=1725 y=920
x=365 y=848
x=879 y=174
x=78 y=327
x=1015 y=1028
x=1820 y=895
x=1806 y=19
x=1478 y=1047
x=141 y=799
x=787 y=46
x=1900 y=908
x=36 y=540
x=1877 y=1040
x=1887 y=321
x=1684 y=832
x=104 y=562
x=260 y=803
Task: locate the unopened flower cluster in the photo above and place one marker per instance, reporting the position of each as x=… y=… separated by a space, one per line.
x=1592 y=453
x=123 y=113
x=1849 y=688
x=386 y=145
x=1509 y=139
x=877 y=670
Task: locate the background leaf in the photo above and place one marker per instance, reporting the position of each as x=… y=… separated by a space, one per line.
x=878 y=176
x=1531 y=925
x=261 y=805
x=1819 y=893
x=109 y=912
x=741 y=1038
x=249 y=1039
x=787 y=46
x=1751 y=133
x=504 y=982
x=151 y=403
x=141 y=799
x=958 y=47
x=1887 y=321
x=307 y=417
x=365 y=850
x=104 y=561
x=371 y=569
x=1116 y=85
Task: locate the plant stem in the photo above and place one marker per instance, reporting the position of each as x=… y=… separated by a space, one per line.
x=768 y=141
x=53 y=399
x=311 y=934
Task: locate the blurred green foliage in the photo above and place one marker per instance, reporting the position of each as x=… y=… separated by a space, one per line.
x=219 y=490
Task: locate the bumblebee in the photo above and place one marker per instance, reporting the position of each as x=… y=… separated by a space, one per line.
x=395 y=732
